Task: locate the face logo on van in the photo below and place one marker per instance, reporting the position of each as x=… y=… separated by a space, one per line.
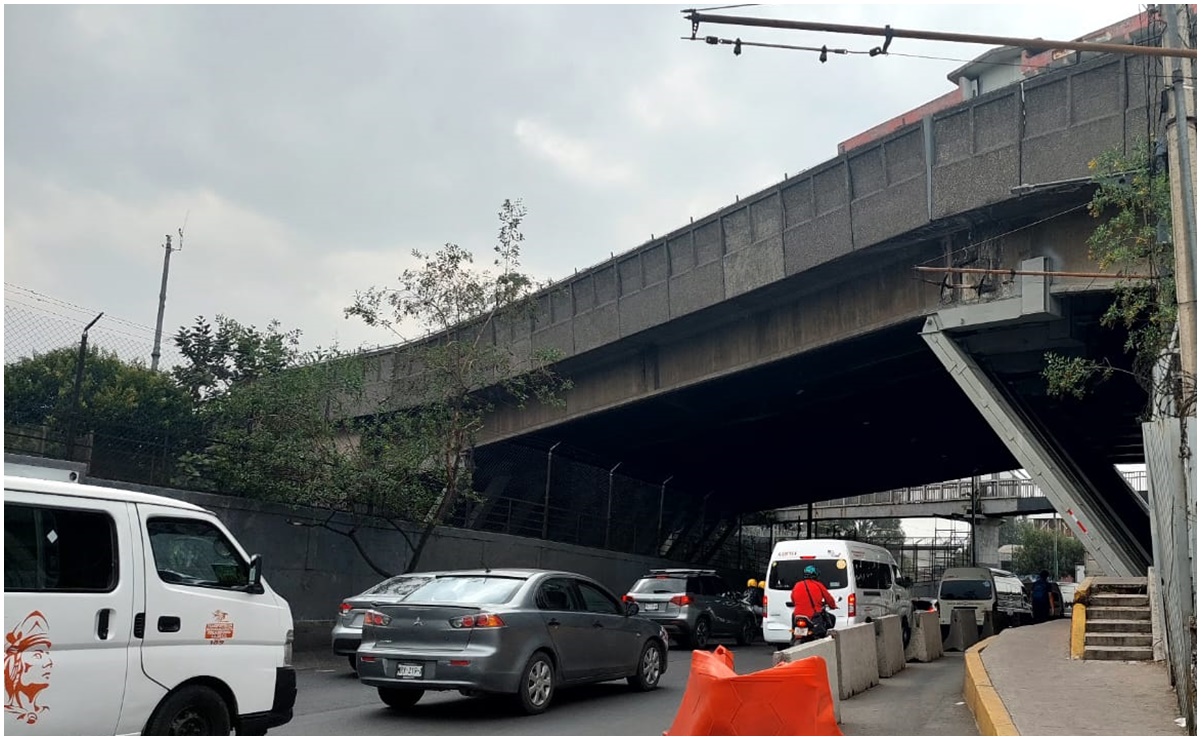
x=27 y=667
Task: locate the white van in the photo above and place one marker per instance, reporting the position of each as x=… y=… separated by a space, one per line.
x=130 y=613
x=985 y=590
x=862 y=578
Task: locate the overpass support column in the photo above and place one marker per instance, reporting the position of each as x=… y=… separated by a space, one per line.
x=1104 y=537
x=988 y=543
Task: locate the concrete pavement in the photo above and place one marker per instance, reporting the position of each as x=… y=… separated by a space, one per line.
x=1023 y=681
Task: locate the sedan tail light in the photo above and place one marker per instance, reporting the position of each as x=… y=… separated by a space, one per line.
x=376 y=619
x=477 y=620
x=684 y=600
x=344 y=608
x=627 y=599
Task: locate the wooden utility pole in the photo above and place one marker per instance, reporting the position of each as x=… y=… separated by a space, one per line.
x=162 y=300
x=1182 y=175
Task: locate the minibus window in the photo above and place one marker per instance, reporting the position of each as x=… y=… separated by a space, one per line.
x=193 y=552
x=784 y=574
x=58 y=549
x=965 y=590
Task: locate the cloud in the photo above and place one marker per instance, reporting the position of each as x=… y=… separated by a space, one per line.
x=678 y=96
x=576 y=158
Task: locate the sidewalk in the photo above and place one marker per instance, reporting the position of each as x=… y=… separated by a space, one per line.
x=1048 y=693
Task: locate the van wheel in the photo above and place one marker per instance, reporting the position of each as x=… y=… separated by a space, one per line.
x=192 y=710
x=400 y=699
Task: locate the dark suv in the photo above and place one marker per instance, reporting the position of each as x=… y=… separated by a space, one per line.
x=693 y=605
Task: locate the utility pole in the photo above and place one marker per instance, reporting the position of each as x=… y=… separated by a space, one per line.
x=83 y=353
x=162 y=299
x=1182 y=174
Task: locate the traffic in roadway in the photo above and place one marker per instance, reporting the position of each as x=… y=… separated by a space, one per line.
x=332 y=701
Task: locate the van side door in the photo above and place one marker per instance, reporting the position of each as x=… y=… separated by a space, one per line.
x=69 y=598
x=201 y=618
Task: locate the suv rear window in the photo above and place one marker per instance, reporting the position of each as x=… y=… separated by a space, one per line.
x=965 y=590
x=785 y=573
x=663 y=585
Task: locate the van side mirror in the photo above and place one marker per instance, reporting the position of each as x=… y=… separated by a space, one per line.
x=255 y=584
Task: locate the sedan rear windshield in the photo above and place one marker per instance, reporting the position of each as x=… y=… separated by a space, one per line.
x=398 y=586
x=467 y=590
x=660 y=585
x=966 y=590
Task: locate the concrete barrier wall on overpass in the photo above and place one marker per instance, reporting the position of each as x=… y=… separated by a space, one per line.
x=314 y=569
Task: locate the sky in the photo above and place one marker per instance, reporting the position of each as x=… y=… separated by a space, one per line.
x=305 y=151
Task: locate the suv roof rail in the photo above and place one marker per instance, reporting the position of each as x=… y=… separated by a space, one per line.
x=683 y=571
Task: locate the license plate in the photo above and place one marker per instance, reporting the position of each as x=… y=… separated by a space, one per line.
x=408 y=671
x=652 y=607
x=800 y=632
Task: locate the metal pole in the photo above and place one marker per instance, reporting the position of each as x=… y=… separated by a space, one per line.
x=662 y=490
x=901 y=33
x=809 y=523
x=546 y=497
x=975 y=503
x=162 y=300
x=1055 y=543
x=79 y=361
x=609 y=508
x=1181 y=127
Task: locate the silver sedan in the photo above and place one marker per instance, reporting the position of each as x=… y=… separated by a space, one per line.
x=520 y=632
x=348 y=627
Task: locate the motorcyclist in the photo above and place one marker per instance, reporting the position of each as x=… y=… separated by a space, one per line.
x=810 y=596
x=753 y=596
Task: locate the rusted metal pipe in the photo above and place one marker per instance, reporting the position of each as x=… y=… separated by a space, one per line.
x=1038 y=273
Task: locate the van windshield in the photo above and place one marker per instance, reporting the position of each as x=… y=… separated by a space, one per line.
x=784 y=574
x=966 y=590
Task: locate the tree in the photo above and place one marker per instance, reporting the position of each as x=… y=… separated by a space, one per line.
x=1046 y=549
x=451 y=379
x=232 y=354
x=1133 y=204
x=132 y=411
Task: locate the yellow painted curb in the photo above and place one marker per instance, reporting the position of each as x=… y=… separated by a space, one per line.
x=992 y=718
x=1078 y=623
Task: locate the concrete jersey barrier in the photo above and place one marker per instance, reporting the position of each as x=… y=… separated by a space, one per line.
x=925 y=644
x=858 y=669
x=963 y=633
x=890 y=646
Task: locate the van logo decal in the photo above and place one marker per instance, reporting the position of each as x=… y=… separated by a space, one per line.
x=27 y=667
x=220 y=629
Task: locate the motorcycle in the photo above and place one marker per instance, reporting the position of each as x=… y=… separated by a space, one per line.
x=802 y=630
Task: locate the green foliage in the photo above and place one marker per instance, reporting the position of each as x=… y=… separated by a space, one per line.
x=116 y=397
x=232 y=354
x=1131 y=204
x=458 y=373
x=1037 y=550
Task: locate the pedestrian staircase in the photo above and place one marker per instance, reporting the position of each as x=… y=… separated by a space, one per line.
x=1118 y=620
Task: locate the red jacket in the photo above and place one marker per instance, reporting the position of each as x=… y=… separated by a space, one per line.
x=808 y=599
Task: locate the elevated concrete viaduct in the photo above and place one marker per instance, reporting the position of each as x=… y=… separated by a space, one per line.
x=779 y=351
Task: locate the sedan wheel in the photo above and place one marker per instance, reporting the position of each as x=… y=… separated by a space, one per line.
x=650 y=668
x=537 y=684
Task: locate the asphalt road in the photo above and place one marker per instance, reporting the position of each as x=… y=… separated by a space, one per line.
x=924 y=699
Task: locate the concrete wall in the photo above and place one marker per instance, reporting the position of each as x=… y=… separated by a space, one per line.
x=826 y=649
x=890 y=646
x=314 y=568
x=925 y=644
x=858 y=669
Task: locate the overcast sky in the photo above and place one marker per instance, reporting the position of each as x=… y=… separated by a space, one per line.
x=312 y=148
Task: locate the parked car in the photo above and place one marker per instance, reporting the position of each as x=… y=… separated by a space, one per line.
x=693 y=606
x=348 y=626
x=520 y=632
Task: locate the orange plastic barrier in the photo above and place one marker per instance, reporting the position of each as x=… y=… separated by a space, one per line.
x=787 y=699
